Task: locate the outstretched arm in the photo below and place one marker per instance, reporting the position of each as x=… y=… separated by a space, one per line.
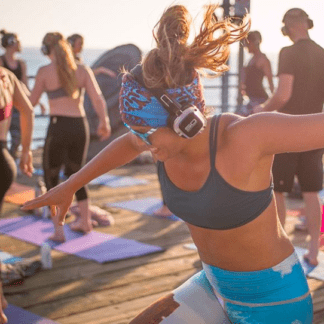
x=119 y=152
x=273 y=133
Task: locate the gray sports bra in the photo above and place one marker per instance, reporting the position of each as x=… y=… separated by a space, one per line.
x=217 y=205
x=58 y=93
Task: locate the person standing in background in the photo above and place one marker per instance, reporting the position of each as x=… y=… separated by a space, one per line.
x=252 y=75
x=11 y=43
x=67 y=139
x=300 y=91
x=11 y=93
x=76 y=41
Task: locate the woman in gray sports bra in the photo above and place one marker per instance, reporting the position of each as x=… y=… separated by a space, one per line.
x=215 y=175
x=67 y=139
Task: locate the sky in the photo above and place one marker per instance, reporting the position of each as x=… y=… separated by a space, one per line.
x=109 y=23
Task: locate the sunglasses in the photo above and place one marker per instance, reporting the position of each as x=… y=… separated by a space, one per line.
x=143 y=136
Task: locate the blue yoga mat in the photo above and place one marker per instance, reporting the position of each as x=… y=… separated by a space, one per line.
x=95 y=246
x=145 y=206
x=17 y=315
x=8 y=258
x=40 y=172
x=114 y=181
x=311 y=271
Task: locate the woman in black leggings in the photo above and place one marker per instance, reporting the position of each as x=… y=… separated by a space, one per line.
x=11 y=93
x=67 y=139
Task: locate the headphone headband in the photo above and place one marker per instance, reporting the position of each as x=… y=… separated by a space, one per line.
x=299 y=13
x=185 y=119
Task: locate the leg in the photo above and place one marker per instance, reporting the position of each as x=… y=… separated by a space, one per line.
x=15 y=133
x=8 y=171
x=283 y=171
x=314 y=216
x=310 y=177
x=192 y=303
x=78 y=149
x=53 y=156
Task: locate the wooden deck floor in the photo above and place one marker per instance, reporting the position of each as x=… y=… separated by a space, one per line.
x=81 y=291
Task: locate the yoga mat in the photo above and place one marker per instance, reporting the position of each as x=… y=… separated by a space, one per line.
x=8 y=258
x=95 y=246
x=145 y=206
x=17 y=315
x=114 y=181
x=18 y=194
x=311 y=271
x=40 y=172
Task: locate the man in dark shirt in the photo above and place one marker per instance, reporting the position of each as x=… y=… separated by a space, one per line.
x=300 y=91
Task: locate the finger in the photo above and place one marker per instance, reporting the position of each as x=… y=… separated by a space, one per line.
x=53 y=211
x=40 y=201
x=62 y=213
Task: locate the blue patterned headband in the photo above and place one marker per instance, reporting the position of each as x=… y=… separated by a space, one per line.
x=138 y=107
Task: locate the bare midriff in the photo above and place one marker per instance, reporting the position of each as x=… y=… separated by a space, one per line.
x=258 y=245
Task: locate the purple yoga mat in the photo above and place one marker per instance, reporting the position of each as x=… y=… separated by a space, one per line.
x=18 y=315
x=145 y=206
x=95 y=246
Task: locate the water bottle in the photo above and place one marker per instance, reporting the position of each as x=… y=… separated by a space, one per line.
x=40 y=189
x=46 y=256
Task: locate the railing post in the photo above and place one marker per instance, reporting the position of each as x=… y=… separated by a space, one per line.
x=225 y=76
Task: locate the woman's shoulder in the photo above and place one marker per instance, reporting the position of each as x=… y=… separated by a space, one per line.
x=230 y=125
x=227 y=119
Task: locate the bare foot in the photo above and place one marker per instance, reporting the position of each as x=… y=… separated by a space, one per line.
x=57 y=237
x=93 y=223
x=164 y=211
x=311 y=260
x=81 y=227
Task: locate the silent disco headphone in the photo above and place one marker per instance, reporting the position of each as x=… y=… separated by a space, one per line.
x=184 y=118
x=45 y=49
x=71 y=41
x=8 y=41
x=300 y=14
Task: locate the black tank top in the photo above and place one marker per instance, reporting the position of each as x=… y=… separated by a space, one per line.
x=253 y=82
x=217 y=205
x=17 y=71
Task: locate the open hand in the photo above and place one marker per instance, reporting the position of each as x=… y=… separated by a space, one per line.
x=58 y=198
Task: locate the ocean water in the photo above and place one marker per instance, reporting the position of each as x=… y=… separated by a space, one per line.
x=35 y=59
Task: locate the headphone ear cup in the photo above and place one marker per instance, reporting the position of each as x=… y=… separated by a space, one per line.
x=171 y=120
x=45 y=49
x=284 y=30
x=310 y=23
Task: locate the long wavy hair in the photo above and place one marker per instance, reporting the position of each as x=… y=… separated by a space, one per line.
x=172 y=63
x=65 y=63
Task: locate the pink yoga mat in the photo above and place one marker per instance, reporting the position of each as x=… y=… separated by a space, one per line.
x=95 y=246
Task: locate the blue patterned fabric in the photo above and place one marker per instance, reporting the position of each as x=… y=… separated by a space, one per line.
x=279 y=294
x=139 y=108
